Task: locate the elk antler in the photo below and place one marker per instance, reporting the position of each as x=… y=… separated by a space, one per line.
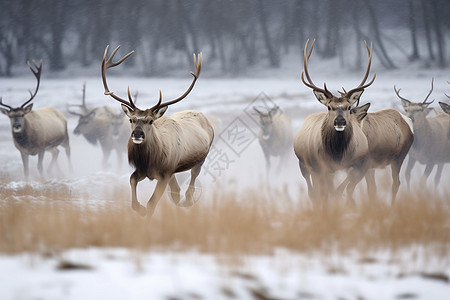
x=426 y=98
x=5 y=105
x=82 y=105
x=106 y=64
x=198 y=68
x=310 y=84
x=362 y=85
x=37 y=74
x=398 y=94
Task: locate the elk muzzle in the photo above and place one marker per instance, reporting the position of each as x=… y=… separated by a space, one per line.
x=138 y=136
x=340 y=123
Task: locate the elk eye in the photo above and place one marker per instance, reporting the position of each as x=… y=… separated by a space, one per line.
x=150 y=122
x=348 y=108
x=131 y=121
x=329 y=108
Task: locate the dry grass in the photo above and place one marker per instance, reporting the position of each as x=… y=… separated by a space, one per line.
x=251 y=222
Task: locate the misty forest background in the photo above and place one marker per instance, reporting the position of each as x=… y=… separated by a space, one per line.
x=236 y=36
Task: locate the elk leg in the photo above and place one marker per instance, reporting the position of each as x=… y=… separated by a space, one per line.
x=371 y=185
x=411 y=162
x=106 y=155
x=174 y=190
x=40 y=160
x=134 y=179
x=395 y=167
x=66 y=147
x=355 y=175
x=437 y=177
x=427 y=172
x=26 y=170
x=307 y=177
x=267 y=157
x=159 y=190
x=195 y=171
x=55 y=154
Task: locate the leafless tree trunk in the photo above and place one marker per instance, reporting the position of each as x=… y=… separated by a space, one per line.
x=426 y=24
x=440 y=39
x=274 y=58
x=413 y=30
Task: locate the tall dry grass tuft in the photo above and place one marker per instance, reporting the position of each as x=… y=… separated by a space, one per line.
x=225 y=222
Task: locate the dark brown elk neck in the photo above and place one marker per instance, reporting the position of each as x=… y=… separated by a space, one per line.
x=336 y=143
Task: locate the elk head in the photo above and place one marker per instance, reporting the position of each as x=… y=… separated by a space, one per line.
x=415 y=110
x=266 y=119
x=17 y=115
x=339 y=108
x=142 y=120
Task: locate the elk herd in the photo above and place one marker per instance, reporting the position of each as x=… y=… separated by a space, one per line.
x=343 y=139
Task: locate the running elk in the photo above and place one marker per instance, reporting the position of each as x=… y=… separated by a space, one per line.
x=431 y=144
x=328 y=142
x=275 y=134
x=161 y=146
x=104 y=126
x=37 y=131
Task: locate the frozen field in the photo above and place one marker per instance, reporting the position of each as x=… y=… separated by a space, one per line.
x=237 y=165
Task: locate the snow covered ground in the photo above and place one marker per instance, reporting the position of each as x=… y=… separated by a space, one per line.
x=239 y=164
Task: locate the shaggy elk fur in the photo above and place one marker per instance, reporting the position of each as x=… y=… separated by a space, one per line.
x=431 y=141
x=390 y=136
x=328 y=142
x=161 y=146
x=275 y=134
x=104 y=126
x=37 y=131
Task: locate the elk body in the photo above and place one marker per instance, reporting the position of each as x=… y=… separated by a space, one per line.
x=37 y=131
x=103 y=126
x=275 y=134
x=389 y=136
x=160 y=146
x=328 y=142
x=431 y=142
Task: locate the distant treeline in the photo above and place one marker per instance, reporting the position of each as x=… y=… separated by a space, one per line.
x=236 y=34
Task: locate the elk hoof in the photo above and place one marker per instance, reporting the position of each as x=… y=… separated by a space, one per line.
x=140 y=210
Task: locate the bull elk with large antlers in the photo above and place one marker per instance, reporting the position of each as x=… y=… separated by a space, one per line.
x=349 y=138
x=328 y=142
x=161 y=146
x=431 y=144
x=37 y=131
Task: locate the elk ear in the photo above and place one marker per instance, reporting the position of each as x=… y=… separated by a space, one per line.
x=405 y=104
x=28 y=108
x=354 y=97
x=445 y=107
x=321 y=97
x=127 y=110
x=5 y=111
x=360 y=112
x=160 y=111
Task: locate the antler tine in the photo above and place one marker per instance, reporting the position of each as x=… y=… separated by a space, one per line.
x=198 y=68
x=5 y=105
x=310 y=84
x=37 y=74
x=362 y=85
x=106 y=64
x=426 y=98
x=156 y=106
x=398 y=94
x=73 y=112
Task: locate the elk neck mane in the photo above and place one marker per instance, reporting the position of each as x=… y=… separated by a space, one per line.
x=153 y=153
x=335 y=142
